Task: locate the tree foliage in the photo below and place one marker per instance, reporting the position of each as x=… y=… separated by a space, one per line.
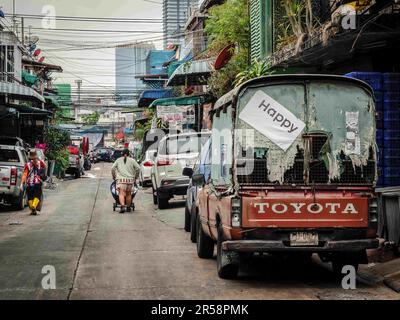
x=227 y=24
x=57 y=141
x=255 y=70
x=91 y=119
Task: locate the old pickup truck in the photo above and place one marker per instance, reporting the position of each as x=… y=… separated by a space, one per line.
x=293 y=171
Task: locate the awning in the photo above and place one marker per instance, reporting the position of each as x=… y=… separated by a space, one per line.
x=27 y=110
x=179 y=101
x=148 y=96
x=52 y=100
x=191 y=73
x=19 y=91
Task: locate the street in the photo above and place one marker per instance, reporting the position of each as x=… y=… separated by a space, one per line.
x=100 y=254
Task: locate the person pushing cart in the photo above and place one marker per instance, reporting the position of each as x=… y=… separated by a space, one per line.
x=125 y=171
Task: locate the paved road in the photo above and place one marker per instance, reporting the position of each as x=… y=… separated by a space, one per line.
x=99 y=254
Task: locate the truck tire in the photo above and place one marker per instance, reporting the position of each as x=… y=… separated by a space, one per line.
x=193 y=227
x=77 y=174
x=205 y=245
x=19 y=202
x=227 y=262
x=162 y=203
x=154 y=196
x=187 y=219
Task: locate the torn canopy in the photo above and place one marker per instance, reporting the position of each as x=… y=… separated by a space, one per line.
x=337 y=144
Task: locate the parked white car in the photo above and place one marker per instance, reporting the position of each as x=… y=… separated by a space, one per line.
x=12 y=163
x=145 y=168
x=174 y=153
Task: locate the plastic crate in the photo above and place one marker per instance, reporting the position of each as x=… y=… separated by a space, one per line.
x=391 y=116
x=391 y=182
x=391 y=86
x=391 y=105
x=389 y=96
x=390 y=161
x=374 y=79
x=391 y=172
x=391 y=138
x=390 y=76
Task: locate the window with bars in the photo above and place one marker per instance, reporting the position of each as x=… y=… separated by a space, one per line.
x=7 y=63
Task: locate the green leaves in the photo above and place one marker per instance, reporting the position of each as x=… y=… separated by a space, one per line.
x=91 y=118
x=257 y=69
x=57 y=141
x=227 y=24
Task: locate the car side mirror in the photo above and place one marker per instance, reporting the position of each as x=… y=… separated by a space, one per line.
x=187 y=172
x=198 y=180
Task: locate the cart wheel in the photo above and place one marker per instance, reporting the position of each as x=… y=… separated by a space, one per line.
x=133 y=207
x=114 y=207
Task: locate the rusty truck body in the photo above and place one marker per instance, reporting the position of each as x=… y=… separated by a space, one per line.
x=293 y=170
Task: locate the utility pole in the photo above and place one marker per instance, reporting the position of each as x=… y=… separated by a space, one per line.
x=14 y=21
x=79 y=84
x=22 y=31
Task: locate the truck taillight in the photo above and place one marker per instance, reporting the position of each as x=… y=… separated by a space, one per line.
x=163 y=162
x=373 y=210
x=236 y=212
x=13 y=176
x=148 y=164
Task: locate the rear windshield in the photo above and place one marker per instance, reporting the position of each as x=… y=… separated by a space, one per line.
x=184 y=144
x=9 y=156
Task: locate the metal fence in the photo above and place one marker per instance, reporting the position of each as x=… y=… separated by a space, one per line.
x=389 y=214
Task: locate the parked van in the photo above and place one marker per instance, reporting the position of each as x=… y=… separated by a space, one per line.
x=293 y=171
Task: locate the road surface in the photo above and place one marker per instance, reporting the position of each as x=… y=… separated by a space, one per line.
x=99 y=254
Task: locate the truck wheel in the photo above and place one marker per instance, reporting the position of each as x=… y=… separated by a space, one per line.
x=193 y=227
x=187 y=219
x=205 y=245
x=162 y=203
x=154 y=196
x=19 y=202
x=227 y=262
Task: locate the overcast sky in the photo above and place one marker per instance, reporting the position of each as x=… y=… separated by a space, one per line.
x=56 y=45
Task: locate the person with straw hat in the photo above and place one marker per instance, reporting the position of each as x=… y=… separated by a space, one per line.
x=34 y=175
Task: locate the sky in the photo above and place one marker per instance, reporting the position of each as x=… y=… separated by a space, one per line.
x=95 y=67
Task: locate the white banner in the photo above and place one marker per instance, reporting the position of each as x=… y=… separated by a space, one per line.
x=273 y=120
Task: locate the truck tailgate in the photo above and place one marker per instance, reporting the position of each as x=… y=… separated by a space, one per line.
x=306 y=210
x=5 y=176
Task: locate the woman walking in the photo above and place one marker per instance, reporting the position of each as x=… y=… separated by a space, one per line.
x=125 y=170
x=34 y=175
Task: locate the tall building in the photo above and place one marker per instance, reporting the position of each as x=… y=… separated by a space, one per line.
x=130 y=61
x=175 y=14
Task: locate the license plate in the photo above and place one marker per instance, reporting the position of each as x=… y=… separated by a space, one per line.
x=303 y=239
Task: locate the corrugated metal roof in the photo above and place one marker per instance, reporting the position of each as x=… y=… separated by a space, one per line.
x=191 y=73
x=19 y=91
x=178 y=101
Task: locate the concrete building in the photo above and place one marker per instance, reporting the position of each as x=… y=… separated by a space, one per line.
x=130 y=61
x=175 y=13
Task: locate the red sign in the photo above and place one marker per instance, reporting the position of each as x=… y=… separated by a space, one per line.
x=306 y=211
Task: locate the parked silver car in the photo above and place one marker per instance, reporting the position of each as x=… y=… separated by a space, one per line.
x=12 y=163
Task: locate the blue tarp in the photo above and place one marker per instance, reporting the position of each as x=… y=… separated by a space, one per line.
x=148 y=96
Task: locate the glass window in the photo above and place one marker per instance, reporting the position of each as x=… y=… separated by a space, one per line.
x=8 y=155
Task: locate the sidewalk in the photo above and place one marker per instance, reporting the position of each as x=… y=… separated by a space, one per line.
x=384 y=269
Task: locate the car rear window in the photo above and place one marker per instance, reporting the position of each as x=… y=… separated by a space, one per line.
x=184 y=144
x=9 y=156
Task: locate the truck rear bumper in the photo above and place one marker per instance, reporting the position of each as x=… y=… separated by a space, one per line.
x=275 y=245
